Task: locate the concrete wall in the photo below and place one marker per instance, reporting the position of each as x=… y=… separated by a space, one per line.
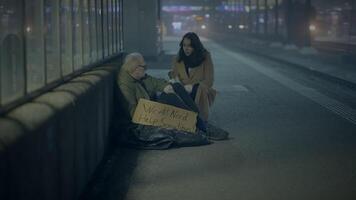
x=50 y=147
x=141 y=27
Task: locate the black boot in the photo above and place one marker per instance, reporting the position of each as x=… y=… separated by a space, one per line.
x=215 y=133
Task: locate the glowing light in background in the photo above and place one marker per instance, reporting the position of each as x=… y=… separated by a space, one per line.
x=312 y=27
x=28 y=29
x=199 y=18
x=203 y=27
x=177 y=25
x=181 y=8
x=230 y=7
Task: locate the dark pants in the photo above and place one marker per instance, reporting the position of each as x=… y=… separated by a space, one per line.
x=182 y=99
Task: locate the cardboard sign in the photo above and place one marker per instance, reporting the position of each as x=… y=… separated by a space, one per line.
x=157 y=114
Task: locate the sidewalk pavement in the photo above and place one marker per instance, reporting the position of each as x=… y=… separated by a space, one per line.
x=330 y=66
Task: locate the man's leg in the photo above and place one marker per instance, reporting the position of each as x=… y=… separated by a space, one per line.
x=174 y=100
x=184 y=95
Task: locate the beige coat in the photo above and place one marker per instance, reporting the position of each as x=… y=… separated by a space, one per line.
x=204 y=75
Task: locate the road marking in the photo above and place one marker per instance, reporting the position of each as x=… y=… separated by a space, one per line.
x=332 y=105
x=233 y=88
x=240 y=88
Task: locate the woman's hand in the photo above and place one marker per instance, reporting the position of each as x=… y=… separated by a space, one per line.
x=168 y=89
x=188 y=88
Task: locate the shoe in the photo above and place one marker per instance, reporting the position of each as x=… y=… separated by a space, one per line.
x=215 y=133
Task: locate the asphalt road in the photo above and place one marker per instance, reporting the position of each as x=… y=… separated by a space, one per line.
x=291 y=138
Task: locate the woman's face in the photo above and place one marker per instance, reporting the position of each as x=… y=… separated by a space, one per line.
x=187 y=47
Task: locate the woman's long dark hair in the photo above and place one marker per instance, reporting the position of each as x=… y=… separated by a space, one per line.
x=199 y=53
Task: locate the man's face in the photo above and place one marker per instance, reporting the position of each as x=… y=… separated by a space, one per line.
x=140 y=69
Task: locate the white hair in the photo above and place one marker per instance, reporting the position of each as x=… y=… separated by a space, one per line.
x=131 y=61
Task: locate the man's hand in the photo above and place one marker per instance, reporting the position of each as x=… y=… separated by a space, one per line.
x=188 y=88
x=168 y=89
